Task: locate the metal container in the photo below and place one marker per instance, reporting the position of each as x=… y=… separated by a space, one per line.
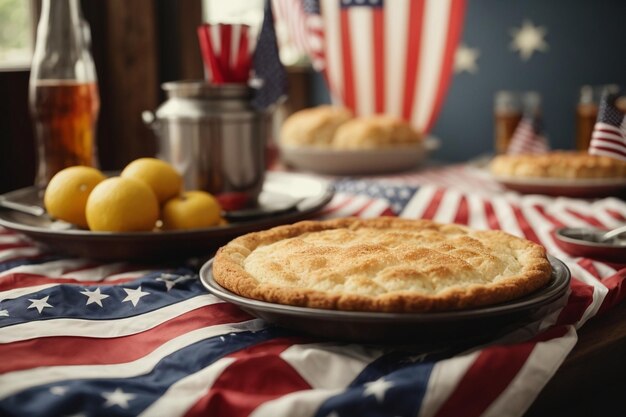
x=214 y=138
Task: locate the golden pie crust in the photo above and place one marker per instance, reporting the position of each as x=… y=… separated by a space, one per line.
x=381 y=265
x=558 y=164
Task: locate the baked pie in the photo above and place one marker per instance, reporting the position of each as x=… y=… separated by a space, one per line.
x=558 y=164
x=381 y=265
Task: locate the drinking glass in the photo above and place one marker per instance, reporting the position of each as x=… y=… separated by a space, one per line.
x=587 y=111
x=509 y=108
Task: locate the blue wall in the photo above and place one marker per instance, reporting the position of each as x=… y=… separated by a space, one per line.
x=587 y=45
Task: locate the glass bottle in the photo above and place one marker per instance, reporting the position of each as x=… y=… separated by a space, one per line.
x=63 y=91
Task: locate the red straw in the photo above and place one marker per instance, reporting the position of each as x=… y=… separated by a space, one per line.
x=225 y=45
x=241 y=71
x=208 y=56
x=233 y=62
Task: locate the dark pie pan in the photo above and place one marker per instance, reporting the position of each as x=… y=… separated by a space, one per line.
x=474 y=324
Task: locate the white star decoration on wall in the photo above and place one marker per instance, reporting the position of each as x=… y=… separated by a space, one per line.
x=465 y=59
x=528 y=39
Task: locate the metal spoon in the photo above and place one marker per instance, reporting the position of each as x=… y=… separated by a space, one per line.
x=611 y=234
x=21 y=207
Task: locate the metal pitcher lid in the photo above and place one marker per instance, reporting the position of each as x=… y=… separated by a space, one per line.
x=202 y=89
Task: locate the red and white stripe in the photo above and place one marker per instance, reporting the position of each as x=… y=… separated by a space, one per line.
x=595 y=287
x=291 y=14
x=609 y=140
x=395 y=59
x=461 y=176
x=109 y=366
x=315 y=27
x=349 y=205
x=305 y=30
x=526 y=141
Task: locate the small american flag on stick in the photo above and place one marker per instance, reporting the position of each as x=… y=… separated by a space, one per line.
x=528 y=137
x=304 y=24
x=609 y=134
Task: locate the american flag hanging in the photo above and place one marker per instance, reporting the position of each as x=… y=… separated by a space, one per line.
x=528 y=137
x=385 y=56
x=609 y=134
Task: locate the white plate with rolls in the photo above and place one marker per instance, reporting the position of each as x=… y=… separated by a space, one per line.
x=331 y=161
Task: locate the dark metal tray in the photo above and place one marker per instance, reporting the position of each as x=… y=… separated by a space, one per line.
x=312 y=195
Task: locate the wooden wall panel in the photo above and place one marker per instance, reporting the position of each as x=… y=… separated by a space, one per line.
x=179 y=52
x=189 y=17
x=17 y=144
x=136 y=45
x=125 y=50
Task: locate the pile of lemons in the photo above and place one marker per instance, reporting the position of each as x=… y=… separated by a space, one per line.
x=146 y=195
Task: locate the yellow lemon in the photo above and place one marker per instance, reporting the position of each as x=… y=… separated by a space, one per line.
x=66 y=194
x=121 y=204
x=164 y=180
x=191 y=210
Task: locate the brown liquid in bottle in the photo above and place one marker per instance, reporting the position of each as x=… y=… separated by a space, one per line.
x=65 y=115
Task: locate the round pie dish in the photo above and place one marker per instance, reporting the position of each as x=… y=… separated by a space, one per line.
x=565 y=187
x=434 y=328
x=383 y=264
x=560 y=173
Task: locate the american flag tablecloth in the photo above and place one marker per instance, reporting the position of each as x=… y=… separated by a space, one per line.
x=81 y=338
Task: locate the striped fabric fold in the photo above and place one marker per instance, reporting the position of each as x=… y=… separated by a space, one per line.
x=119 y=339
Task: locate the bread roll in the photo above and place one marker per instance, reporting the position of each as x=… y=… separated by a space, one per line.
x=373 y=132
x=314 y=126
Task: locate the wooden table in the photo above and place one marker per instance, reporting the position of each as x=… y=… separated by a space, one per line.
x=592 y=380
